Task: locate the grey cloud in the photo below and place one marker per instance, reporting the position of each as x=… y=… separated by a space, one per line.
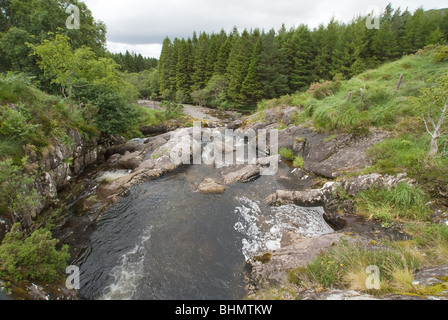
x=145 y=22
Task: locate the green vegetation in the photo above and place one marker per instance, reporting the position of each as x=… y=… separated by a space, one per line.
x=257 y=65
x=30 y=117
x=402 y=202
x=33 y=258
x=345 y=267
x=402 y=110
x=286 y=153
x=298 y=162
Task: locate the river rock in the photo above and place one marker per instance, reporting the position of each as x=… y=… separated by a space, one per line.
x=287 y=113
x=296 y=255
x=210 y=186
x=318 y=197
x=243 y=175
x=341 y=154
x=337 y=294
x=267 y=161
x=123 y=148
x=131 y=160
x=431 y=276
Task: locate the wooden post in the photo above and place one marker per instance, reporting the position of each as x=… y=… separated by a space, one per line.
x=399 y=83
x=349 y=96
x=362 y=95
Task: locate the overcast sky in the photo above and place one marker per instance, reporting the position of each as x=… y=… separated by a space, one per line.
x=141 y=25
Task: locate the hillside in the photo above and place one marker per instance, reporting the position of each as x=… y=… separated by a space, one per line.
x=415 y=207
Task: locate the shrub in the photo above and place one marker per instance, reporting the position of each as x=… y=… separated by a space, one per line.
x=441 y=54
x=34 y=258
x=321 y=90
x=286 y=153
x=115 y=113
x=172 y=109
x=16 y=194
x=298 y=162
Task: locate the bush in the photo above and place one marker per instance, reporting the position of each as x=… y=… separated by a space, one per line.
x=16 y=194
x=115 y=114
x=286 y=153
x=441 y=54
x=321 y=90
x=172 y=109
x=34 y=258
x=298 y=162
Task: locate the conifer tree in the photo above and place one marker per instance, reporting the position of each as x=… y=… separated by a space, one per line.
x=238 y=65
x=251 y=89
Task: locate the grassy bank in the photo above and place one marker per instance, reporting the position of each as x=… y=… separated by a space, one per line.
x=377 y=100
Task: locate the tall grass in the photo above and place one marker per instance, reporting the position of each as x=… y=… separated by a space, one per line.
x=345 y=267
x=381 y=106
x=404 y=202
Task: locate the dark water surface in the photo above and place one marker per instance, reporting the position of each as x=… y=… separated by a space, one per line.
x=166 y=241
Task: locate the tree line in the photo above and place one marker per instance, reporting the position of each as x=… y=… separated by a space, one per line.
x=238 y=69
x=133 y=62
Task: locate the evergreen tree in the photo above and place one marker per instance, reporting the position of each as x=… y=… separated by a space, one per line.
x=139 y=63
x=251 y=89
x=223 y=57
x=212 y=56
x=199 y=76
x=184 y=70
x=271 y=66
x=239 y=60
x=301 y=56
x=165 y=65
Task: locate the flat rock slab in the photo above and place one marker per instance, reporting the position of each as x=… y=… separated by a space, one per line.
x=294 y=256
x=243 y=175
x=431 y=276
x=342 y=154
x=210 y=186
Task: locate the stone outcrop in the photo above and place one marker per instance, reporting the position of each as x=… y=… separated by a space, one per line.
x=210 y=186
x=344 y=153
x=296 y=255
x=243 y=175
x=352 y=186
x=61 y=162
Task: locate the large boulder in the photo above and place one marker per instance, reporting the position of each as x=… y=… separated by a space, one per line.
x=210 y=186
x=274 y=269
x=344 y=153
x=245 y=174
x=131 y=160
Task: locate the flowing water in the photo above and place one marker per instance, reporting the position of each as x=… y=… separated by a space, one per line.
x=167 y=241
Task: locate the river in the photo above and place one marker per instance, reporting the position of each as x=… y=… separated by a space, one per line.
x=166 y=241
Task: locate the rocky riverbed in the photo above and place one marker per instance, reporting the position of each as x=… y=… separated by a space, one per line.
x=285 y=220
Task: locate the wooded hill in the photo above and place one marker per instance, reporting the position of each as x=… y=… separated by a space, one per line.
x=240 y=68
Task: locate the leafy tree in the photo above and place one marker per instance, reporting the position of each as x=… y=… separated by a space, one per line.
x=433 y=102
x=16 y=52
x=17 y=196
